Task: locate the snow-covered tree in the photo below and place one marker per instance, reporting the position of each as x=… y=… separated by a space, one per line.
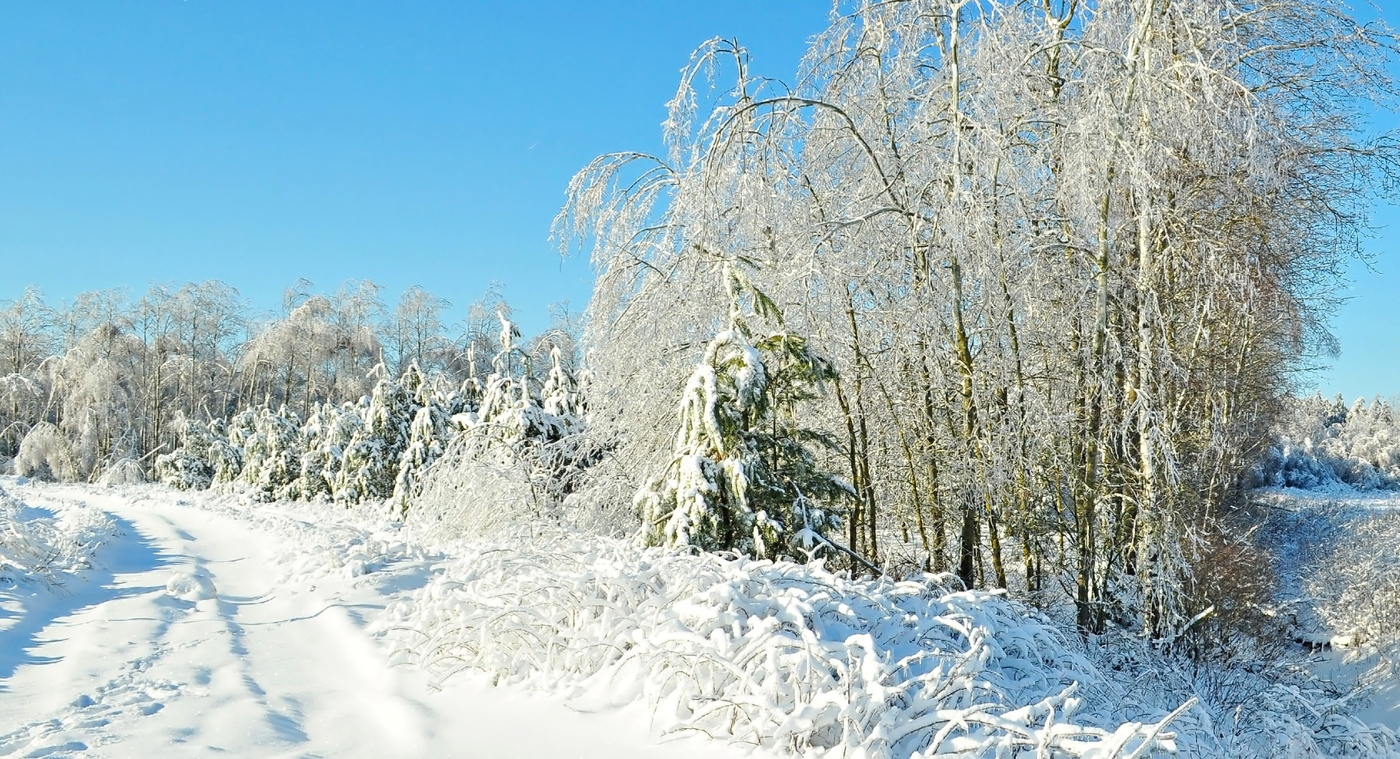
x=370 y=464
x=45 y=454
x=742 y=476
x=428 y=437
x=413 y=333
x=1065 y=256
x=21 y=407
x=191 y=466
x=270 y=444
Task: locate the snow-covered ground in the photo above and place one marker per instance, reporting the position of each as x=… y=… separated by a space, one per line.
x=208 y=626
x=140 y=621
x=1340 y=561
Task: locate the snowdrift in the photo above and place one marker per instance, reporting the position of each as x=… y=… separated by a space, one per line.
x=778 y=655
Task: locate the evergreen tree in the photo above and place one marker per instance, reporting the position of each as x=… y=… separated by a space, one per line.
x=271 y=453
x=370 y=464
x=191 y=466
x=743 y=476
x=426 y=442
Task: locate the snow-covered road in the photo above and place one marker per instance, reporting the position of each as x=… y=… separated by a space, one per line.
x=209 y=627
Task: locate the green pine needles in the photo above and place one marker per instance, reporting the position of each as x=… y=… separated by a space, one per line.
x=744 y=477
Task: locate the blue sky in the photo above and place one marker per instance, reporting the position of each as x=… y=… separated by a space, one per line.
x=422 y=143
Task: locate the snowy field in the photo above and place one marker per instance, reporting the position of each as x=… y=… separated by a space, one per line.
x=140 y=621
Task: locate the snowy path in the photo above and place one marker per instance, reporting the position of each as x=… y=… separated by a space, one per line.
x=118 y=665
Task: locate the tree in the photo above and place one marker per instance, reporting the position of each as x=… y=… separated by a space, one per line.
x=413 y=335
x=370 y=465
x=742 y=477
x=1064 y=255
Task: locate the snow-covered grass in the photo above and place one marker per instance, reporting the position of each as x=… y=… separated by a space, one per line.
x=777 y=655
x=784 y=658
x=48 y=546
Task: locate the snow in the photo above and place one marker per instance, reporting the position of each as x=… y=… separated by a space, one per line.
x=781 y=656
x=214 y=626
x=1338 y=561
x=140 y=621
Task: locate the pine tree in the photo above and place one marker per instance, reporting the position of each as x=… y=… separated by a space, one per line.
x=371 y=461
x=427 y=440
x=191 y=466
x=743 y=477
x=271 y=454
x=428 y=435
x=561 y=396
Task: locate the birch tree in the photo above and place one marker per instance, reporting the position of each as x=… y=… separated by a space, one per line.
x=1064 y=256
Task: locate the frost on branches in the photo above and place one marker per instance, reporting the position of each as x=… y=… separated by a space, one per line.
x=518 y=454
x=742 y=477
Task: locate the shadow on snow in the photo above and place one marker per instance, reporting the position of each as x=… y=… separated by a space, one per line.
x=42 y=605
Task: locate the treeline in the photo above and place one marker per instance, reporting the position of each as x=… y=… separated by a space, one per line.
x=1061 y=258
x=1007 y=289
x=1320 y=442
x=111 y=379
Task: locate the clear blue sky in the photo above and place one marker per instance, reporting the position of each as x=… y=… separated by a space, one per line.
x=422 y=143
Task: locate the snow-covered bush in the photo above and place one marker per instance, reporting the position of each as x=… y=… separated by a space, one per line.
x=480 y=488
x=1267 y=707
x=512 y=461
x=325 y=436
x=122 y=472
x=778 y=655
x=36 y=544
x=1351 y=577
x=45 y=454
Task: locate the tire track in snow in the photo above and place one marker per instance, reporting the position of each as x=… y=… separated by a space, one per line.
x=276 y=661
x=155 y=641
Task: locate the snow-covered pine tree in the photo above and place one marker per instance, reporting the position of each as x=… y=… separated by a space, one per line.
x=743 y=477
x=191 y=466
x=316 y=456
x=226 y=457
x=428 y=435
x=323 y=459
x=371 y=460
x=427 y=439
x=561 y=397
x=271 y=454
